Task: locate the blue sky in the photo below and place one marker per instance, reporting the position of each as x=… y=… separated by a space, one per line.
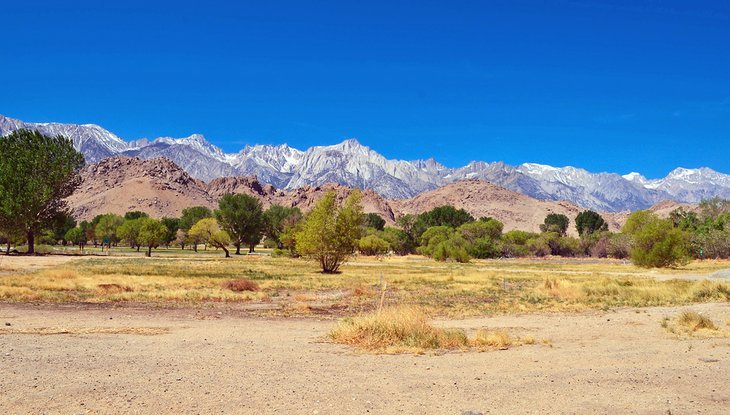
x=605 y=85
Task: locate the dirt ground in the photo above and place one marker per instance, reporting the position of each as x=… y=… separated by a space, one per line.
x=122 y=360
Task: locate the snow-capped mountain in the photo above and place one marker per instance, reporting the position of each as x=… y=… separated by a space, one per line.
x=353 y=164
x=688 y=185
x=95 y=142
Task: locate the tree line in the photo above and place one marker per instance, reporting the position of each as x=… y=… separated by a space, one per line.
x=38 y=172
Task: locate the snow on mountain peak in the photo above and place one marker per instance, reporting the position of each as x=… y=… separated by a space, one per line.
x=353 y=164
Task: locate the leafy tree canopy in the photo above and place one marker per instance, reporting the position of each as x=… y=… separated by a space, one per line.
x=37 y=174
x=330 y=233
x=588 y=222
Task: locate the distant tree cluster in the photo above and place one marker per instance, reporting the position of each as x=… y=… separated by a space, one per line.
x=38 y=172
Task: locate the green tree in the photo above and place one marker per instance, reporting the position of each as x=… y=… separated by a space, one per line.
x=373 y=220
x=482 y=237
x=441 y=216
x=514 y=243
x=712 y=208
x=106 y=229
x=242 y=217
x=372 y=245
x=76 y=236
x=129 y=231
x=329 y=234
x=207 y=230
x=135 y=214
x=655 y=241
x=555 y=222
x=37 y=174
x=588 y=222
x=172 y=225
x=151 y=233
x=277 y=220
x=61 y=224
x=398 y=240
x=407 y=223
x=191 y=216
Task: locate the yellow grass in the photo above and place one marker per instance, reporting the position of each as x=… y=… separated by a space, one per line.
x=408 y=329
x=142 y=331
x=692 y=323
x=449 y=289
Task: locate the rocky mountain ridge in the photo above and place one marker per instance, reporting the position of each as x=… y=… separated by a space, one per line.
x=161 y=188
x=353 y=165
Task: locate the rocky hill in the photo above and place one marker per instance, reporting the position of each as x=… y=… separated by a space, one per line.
x=121 y=184
x=481 y=198
x=161 y=188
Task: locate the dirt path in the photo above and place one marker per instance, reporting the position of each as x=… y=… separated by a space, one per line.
x=199 y=361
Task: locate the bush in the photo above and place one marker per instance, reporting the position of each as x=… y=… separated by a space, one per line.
x=656 y=243
x=399 y=241
x=538 y=246
x=514 y=243
x=373 y=245
x=452 y=248
x=485 y=248
x=694 y=321
x=283 y=253
x=397 y=329
x=619 y=246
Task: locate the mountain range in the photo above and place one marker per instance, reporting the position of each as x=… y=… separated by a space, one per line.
x=352 y=164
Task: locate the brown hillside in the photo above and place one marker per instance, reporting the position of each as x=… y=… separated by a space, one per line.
x=662 y=209
x=161 y=188
x=481 y=198
x=121 y=184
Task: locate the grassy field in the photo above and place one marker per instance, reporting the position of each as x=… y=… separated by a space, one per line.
x=284 y=286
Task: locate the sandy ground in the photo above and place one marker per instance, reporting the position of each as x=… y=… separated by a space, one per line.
x=212 y=361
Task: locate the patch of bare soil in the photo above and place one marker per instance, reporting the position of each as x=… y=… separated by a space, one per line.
x=28 y=263
x=210 y=361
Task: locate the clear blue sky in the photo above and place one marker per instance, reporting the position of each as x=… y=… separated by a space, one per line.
x=601 y=84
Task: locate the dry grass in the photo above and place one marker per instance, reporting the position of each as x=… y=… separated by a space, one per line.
x=690 y=323
x=142 y=331
x=694 y=321
x=241 y=284
x=395 y=330
x=408 y=329
x=447 y=289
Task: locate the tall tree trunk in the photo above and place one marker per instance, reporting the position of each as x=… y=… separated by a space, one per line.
x=149 y=251
x=195 y=246
x=31 y=242
x=7 y=251
x=251 y=246
x=138 y=249
x=228 y=255
x=238 y=248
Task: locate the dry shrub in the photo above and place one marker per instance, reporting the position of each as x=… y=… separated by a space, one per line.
x=303 y=298
x=362 y=291
x=397 y=329
x=302 y=307
x=694 y=321
x=710 y=290
x=493 y=338
x=114 y=288
x=407 y=329
x=561 y=289
x=241 y=284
